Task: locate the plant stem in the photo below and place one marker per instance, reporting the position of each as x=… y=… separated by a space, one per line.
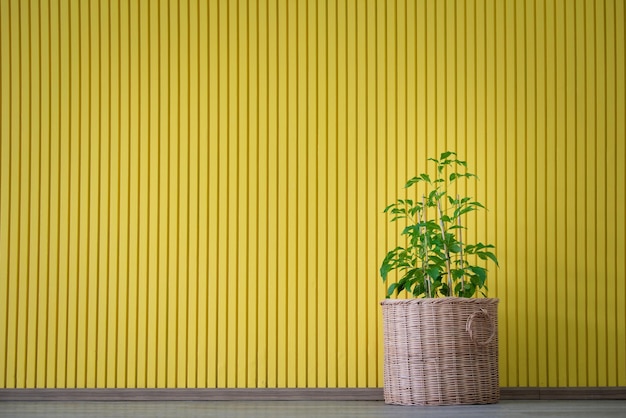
x=458 y=221
x=445 y=247
x=425 y=263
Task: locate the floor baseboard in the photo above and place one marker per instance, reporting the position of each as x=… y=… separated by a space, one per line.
x=308 y=394
x=565 y=393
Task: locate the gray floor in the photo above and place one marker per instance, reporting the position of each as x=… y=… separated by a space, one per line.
x=232 y=409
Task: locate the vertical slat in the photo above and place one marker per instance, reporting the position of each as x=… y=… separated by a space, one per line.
x=235 y=275
x=91 y=138
x=601 y=190
x=367 y=182
x=512 y=200
x=193 y=201
x=347 y=189
x=133 y=141
x=53 y=317
x=113 y=306
x=163 y=237
x=620 y=155
x=242 y=232
x=212 y=277
x=279 y=122
x=260 y=179
x=100 y=14
x=541 y=208
x=531 y=188
x=312 y=294
x=141 y=143
x=371 y=233
x=153 y=203
x=299 y=144
x=319 y=63
x=561 y=191
x=590 y=82
x=33 y=155
x=340 y=180
x=611 y=190
x=204 y=293
x=569 y=149
x=5 y=188
x=580 y=126
x=521 y=180
x=182 y=199
x=526 y=182
x=27 y=284
x=172 y=156
x=551 y=188
x=255 y=276
x=273 y=203
x=498 y=154
x=123 y=264
x=41 y=13
x=331 y=193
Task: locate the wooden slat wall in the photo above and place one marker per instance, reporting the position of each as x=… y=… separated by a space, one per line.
x=191 y=191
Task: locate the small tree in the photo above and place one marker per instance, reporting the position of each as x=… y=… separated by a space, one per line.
x=436 y=262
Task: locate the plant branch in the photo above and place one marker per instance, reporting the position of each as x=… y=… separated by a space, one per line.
x=425 y=243
x=445 y=248
x=458 y=222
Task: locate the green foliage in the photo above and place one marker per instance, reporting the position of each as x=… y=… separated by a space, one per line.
x=436 y=262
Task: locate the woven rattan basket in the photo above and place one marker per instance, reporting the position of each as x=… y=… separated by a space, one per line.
x=441 y=351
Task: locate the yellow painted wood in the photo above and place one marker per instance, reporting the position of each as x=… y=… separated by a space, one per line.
x=191 y=190
x=620 y=149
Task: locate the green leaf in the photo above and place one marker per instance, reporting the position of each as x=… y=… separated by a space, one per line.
x=446 y=155
x=425 y=177
x=454 y=248
x=415 y=209
x=457 y=273
x=384 y=270
x=488 y=254
x=453 y=176
x=412 y=182
x=434 y=272
x=391 y=288
x=480 y=272
x=389 y=207
x=395 y=218
x=419 y=290
x=463 y=211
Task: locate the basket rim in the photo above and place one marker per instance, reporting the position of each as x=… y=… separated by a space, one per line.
x=447 y=300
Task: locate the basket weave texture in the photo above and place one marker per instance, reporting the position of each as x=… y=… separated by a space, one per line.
x=441 y=351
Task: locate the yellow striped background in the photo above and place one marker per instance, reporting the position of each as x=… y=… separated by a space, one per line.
x=191 y=191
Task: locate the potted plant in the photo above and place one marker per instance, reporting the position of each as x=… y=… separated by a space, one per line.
x=440 y=344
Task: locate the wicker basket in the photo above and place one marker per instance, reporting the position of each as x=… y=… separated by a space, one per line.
x=441 y=351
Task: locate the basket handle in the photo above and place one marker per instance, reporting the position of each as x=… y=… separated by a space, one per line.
x=468 y=326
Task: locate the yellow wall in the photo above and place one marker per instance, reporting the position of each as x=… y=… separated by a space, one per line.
x=191 y=191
